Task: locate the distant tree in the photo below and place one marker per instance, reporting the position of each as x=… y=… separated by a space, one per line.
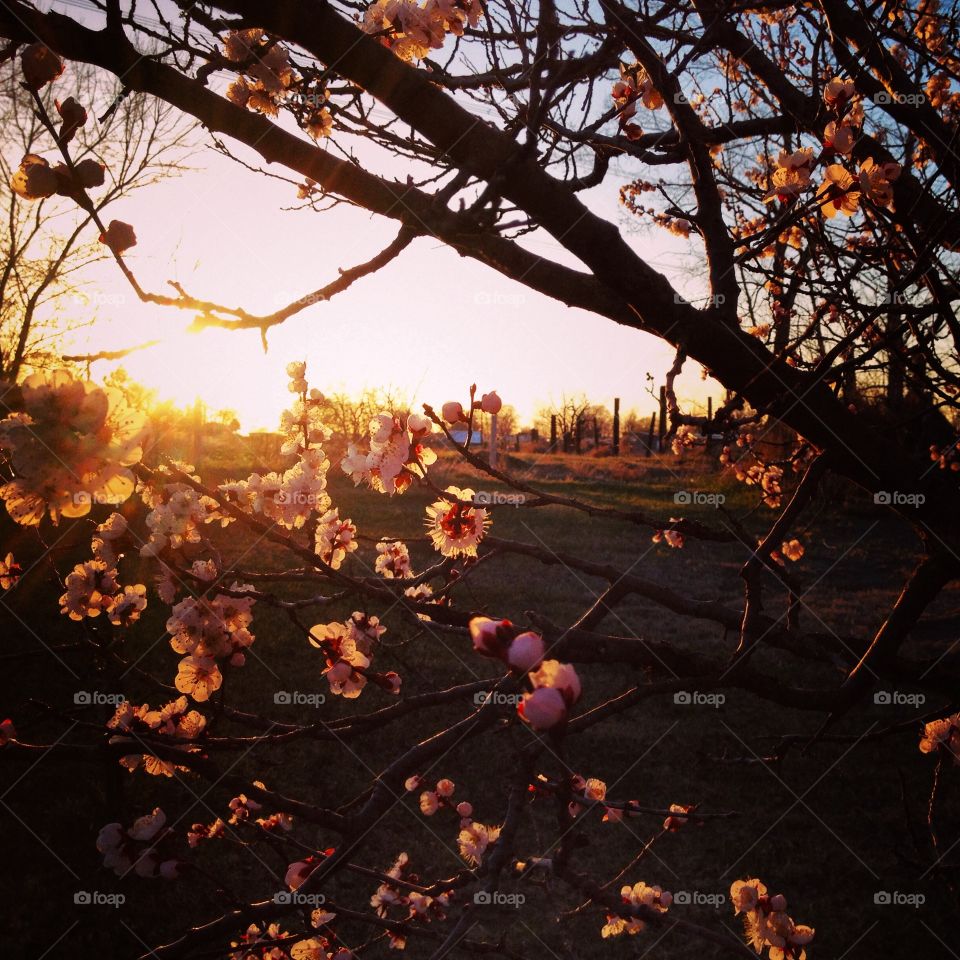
x=570 y=411
x=227 y=418
x=47 y=245
x=508 y=421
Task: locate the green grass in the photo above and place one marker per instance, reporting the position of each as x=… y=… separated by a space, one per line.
x=828 y=826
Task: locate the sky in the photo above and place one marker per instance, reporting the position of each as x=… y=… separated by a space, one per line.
x=430 y=323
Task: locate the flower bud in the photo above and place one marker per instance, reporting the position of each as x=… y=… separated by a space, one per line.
x=119 y=236
x=418 y=424
x=558 y=676
x=526 y=652
x=488 y=636
x=40 y=66
x=543 y=709
x=490 y=402
x=452 y=412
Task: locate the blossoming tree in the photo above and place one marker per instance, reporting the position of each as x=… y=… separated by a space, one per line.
x=806 y=152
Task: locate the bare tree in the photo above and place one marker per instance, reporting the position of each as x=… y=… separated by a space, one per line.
x=46 y=246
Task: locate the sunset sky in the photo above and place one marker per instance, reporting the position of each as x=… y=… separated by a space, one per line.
x=430 y=323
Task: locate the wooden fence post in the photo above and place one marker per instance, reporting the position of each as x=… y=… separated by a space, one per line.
x=663 y=418
x=616 y=426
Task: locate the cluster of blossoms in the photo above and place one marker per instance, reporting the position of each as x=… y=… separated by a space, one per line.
x=143 y=848
x=766 y=476
x=288 y=498
x=591 y=792
x=841 y=190
x=686 y=436
x=455 y=525
x=441 y=796
x=208 y=630
x=402 y=895
x=454 y=412
x=92 y=589
x=555 y=686
x=411 y=30
x=348 y=648
x=266 y=74
x=291 y=498
x=633 y=87
x=766 y=921
x=397 y=453
x=393 y=560
x=261 y=944
x=35 y=179
x=242 y=810
x=946 y=458
x=335 y=538
x=177 y=514
x=943 y=733
x=175 y=720
x=302 y=425
x=70 y=444
x=474 y=838
x=109 y=538
x=638 y=896
x=393 y=563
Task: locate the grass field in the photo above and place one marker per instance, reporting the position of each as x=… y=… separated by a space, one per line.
x=830 y=827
